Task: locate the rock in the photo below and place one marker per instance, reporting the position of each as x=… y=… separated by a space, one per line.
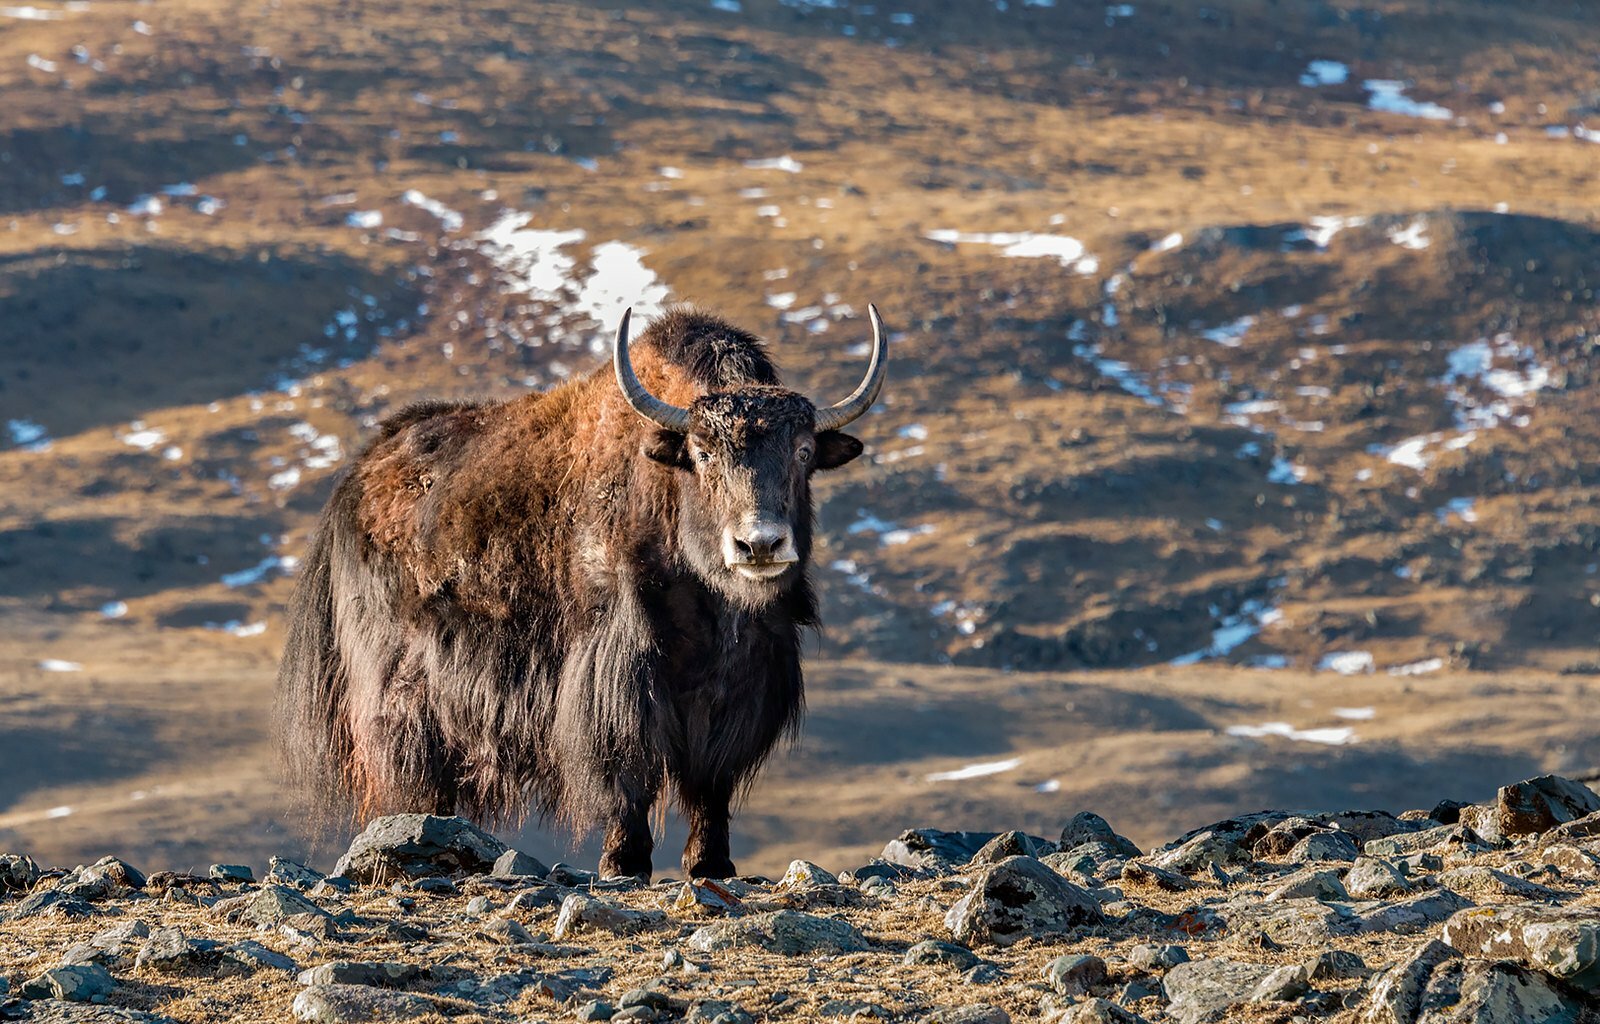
x=1365 y=826
x=1020 y=898
x=1563 y=942
x=287 y=872
x=80 y=984
x=1323 y=846
x=1096 y=1011
x=361 y=972
x=1088 y=827
x=1074 y=974
x=120 y=872
x=1309 y=884
x=435 y=885
x=1223 y=843
x=803 y=874
x=1428 y=839
x=1202 y=990
x=571 y=877
x=1585 y=827
x=114 y=938
x=1572 y=861
x=1298 y=922
x=1139 y=873
x=1482 y=879
x=478 y=906
x=349 y=1004
x=1336 y=965
x=580 y=912
x=932 y=951
x=1012 y=844
x=1374 y=878
x=717 y=1011
x=274 y=904
x=1283 y=837
x=505 y=932
x=55 y=1011
x=231 y=873
x=934 y=851
x=976 y=1013
x=1538 y=805
x=516 y=864
x=17 y=873
x=1151 y=957
x=1412 y=915
x=1095 y=859
x=1396 y=996
x=252 y=952
x=52 y=902
x=169 y=951
x=1284 y=985
x=596 y=1010
x=539 y=896
x=789 y=932
x=706 y=897
x=417 y=846
x=1436 y=986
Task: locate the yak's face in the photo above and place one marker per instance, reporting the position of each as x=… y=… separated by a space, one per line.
x=746 y=463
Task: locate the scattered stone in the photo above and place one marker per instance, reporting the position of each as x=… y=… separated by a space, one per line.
x=1151 y=957
x=1560 y=941
x=1096 y=1011
x=717 y=1011
x=977 y=1013
x=361 y=972
x=1224 y=843
x=1428 y=839
x=580 y=912
x=78 y=984
x=1396 y=996
x=1537 y=805
x=1138 y=873
x=934 y=851
x=120 y=872
x=49 y=901
x=1012 y=844
x=1284 y=985
x=1201 y=990
x=273 y=905
x=169 y=951
x=1483 y=879
x=1074 y=974
x=231 y=873
x=505 y=932
x=479 y=906
x=1090 y=860
x=789 y=932
x=1020 y=898
x=803 y=874
x=706 y=897
x=17 y=873
x=1323 y=846
x=571 y=877
x=1088 y=827
x=1297 y=922
x=114 y=938
x=596 y=1010
x=1309 y=884
x=516 y=864
x=434 y=885
x=1371 y=878
x=539 y=896
x=932 y=951
x=252 y=952
x=348 y=1004
x=417 y=846
x=1413 y=915
x=1283 y=837
x=287 y=872
x=1436 y=986
x=1336 y=965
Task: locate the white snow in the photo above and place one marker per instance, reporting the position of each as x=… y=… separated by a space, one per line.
x=1418 y=668
x=776 y=163
x=1233 y=632
x=28 y=435
x=449 y=219
x=58 y=812
x=1229 y=334
x=142 y=437
x=1320 y=230
x=1355 y=714
x=1461 y=508
x=1325 y=72
x=367 y=219
x=285 y=480
x=1333 y=737
x=114 y=609
x=38 y=63
x=893 y=538
x=57 y=665
x=1067 y=251
x=1412 y=236
x=260 y=571
x=30 y=14
x=1346 y=663
x=1388 y=96
x=1168 y=243
x=975 y=771
x=535 y=262
x=1127 y=378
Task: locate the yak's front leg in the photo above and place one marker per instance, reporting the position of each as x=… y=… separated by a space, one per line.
x=706 y=855
x=628 y=842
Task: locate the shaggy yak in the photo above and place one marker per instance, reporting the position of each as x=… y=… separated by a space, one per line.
x=575 y=599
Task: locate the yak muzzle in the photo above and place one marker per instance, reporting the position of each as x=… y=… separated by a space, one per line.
x=759 y=549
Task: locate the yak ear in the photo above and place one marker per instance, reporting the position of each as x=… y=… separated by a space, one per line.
x=835 y=448
x=669 y=448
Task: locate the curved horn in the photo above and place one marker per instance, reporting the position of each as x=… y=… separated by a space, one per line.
x=862 y=398
x=662 y=414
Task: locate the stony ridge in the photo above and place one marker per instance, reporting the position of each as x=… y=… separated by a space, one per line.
x=1479 y=913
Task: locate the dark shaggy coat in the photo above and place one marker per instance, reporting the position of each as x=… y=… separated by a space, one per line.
x=496 y=610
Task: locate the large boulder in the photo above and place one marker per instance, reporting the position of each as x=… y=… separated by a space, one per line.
x=933 y=850
x=1534 y=806
x=1560 y=941
x=1222 y=843
x=416 y=846
x=1438 y=986
x=789 y=932
x=1202 y=990
x=1020 y=898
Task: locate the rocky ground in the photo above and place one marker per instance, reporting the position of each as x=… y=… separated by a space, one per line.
x=1488 y=914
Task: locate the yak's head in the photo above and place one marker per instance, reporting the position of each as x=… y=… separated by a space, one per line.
x=745 y=456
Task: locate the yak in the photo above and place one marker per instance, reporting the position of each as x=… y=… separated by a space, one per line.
x=579 y=603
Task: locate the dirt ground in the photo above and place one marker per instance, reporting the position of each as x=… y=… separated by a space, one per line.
x=1234 y=346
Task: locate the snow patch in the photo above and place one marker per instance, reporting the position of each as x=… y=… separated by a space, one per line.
x=1346 y=663
x=1333 y=737
x=975 y=771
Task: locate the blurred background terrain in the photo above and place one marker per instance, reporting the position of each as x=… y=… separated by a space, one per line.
x=1240 y=448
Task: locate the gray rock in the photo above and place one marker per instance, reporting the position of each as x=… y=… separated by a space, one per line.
x=539 y=896
x=596 y=1010
x=1563 y=942
x=802 y=874
x=1426 y=840
x=1336 y=965
x=1538 y=805
x=932 y=951
x=1483 y=879
x=271 y=905
x=1073 y=974
x=932 y=850
x=1152 y=958
x=1139 y=873
x=1096 y=1011
x=350 y=1004
x=17 y=873
x=976 y=1013
x=252 y=952
x=1372 y=878
x=1088 y=827
x=1410 y=916
x=1202 y=990
x=516 y=864
x=114 y=938
x=1302 y=922
x=1278 y=840
x=1020 y=898
x=505 y=932
x=1572 y=861
x=79 y=984
x=1437 y=987
x=1397 y=995
x=1323 y=846
x=580 y=913
x=789 y=932
x=1223 y=843
x=1309 y=884
x=717 y=1011
x=169 y=951
x=383 y=974
x=1284 y=985
x=1365 y=826
x=53 y=902
x=231 y=873
x=1012 y=844
x=287 y=872
x=478 y=906
x=1097 y=859
x=56 y=1011
x=120 y=872
x=416 y=846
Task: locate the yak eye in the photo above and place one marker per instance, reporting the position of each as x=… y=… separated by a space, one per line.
x=804 y=453
x=703 y=455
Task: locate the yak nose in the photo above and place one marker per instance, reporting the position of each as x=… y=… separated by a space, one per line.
x=763 y=542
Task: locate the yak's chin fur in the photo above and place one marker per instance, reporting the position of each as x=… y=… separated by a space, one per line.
x=507 y=605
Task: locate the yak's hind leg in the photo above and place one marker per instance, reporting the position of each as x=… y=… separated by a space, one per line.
x=628 y=842
x=706 y=805
x=400 y=762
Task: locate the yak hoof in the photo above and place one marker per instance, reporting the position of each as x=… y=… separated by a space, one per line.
x=711 y=867
x=614 y=865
